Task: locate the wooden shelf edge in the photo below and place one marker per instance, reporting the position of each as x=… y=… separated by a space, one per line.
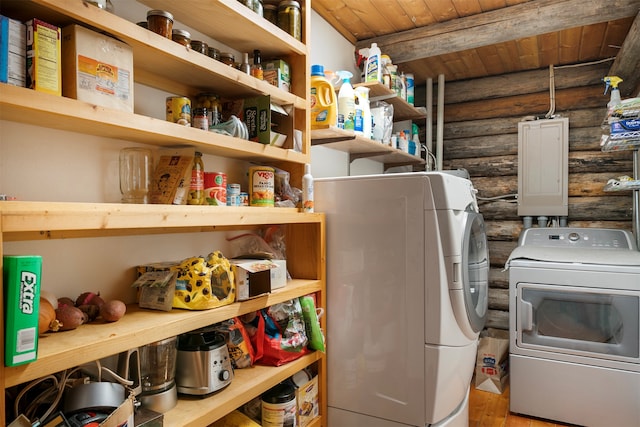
x=247 y=384
x=37 y=220
x=63 y=350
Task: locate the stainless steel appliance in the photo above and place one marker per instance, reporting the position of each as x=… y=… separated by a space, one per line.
x=204 y=365
x=574 y=305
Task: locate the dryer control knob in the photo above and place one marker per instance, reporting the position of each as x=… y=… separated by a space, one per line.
x=574 y=237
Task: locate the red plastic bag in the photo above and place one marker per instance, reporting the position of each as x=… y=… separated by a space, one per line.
x=280 y=335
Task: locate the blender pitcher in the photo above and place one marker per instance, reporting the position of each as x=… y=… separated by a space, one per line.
x=158 y=370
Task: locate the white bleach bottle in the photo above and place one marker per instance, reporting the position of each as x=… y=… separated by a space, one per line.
x=373 y=66
x=362 y=122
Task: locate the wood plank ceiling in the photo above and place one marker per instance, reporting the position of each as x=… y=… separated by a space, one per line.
x=467 y=39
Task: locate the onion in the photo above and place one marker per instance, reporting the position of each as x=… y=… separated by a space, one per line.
x=47 y=317
x=49 y=296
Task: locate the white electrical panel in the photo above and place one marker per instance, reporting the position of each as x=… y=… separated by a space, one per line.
x=543 y=167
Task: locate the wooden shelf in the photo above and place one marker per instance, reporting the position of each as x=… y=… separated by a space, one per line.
x=63 y=350
x=402 y=110
x=360 y=147
x=194 y=411
x=28 y=106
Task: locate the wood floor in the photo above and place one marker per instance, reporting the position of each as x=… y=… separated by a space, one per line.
x=492 y=410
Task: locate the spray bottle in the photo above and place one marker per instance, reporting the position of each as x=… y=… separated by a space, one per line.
x=613 y=82
x=346 y=102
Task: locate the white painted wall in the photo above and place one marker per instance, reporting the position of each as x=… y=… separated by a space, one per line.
x=330 y=49
x=43 y=164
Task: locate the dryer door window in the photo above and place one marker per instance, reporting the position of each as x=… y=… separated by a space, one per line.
x=475 y=258
x=591 y=322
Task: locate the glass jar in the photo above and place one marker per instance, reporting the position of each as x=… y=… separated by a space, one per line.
x=270 y=13
x=160 y=22
x=200 y=118
x=289 y=18
x=181 y=36
x=196 y=188
x=200 y=47
x=213 y=53
x=227 y=58
x=211 y=102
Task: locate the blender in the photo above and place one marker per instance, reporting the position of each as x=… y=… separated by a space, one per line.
x=158 y=369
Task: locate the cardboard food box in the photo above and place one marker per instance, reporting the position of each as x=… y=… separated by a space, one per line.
x=268 y=123
x=21 y=278
x=44 y=57
x=256 y=277
x=277 y=73
x=13 y=52
x=97 y=68
x=307 y=401
x=235 y=419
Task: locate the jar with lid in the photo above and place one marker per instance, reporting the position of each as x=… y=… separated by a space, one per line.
x=270 y=13
x=289 y=18
x=256 y=69
x=181 y=36
x=213 y=53
x=196 y=187
x=211 y=102
x=200 y=47
x=200 y=118
x=160 y=22
x=227 y=58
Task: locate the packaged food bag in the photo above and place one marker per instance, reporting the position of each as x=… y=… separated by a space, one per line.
x=238 y=342
x=201 y=283
x=492 y=360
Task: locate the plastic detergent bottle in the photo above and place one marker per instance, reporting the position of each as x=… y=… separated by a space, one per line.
x=362 y=122
x=324 y=104
x=346 y=102
x=373 y=67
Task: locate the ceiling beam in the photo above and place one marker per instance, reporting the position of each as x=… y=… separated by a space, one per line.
x=502 y=25
x=627 y=62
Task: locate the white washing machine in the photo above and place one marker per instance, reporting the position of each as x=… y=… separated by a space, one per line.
x=407 y=284
x=574 y=308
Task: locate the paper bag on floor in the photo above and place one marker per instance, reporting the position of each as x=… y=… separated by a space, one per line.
x=492 y=360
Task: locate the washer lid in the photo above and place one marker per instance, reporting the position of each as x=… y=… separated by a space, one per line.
x=576 y=255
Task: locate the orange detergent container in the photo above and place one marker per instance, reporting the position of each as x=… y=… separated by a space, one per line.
x=324 y=104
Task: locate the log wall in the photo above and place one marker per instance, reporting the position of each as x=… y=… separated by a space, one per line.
x=481 y=135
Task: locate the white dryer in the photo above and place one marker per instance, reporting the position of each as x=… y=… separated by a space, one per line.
x=407 y=284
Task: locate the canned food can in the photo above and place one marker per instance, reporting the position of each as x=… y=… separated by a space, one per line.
x=279 y=406
x=261 y=186
x=233 y=195
x=179 y=110
x=243 y=199
x=215 y=188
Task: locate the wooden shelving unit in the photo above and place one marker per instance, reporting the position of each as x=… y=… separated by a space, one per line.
x=360 y=147
x=160 y=63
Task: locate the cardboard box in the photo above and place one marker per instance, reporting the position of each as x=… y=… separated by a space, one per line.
x=266 y=121
x=256 y=277
x=235 y=419
x=44 y=57
x=97 y=68
x=21 y=278
x=13 y=52
x=277 y=73
x=307 y=401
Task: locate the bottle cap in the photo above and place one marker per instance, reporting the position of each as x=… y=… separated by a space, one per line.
x=317 y=70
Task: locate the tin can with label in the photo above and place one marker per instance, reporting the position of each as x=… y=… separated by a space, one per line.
x=179 y=110
x=233 y=195
x=243 y=199
x=215 y=188
x=261 y=186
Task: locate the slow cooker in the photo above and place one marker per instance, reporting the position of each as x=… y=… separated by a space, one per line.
x=203 y=362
